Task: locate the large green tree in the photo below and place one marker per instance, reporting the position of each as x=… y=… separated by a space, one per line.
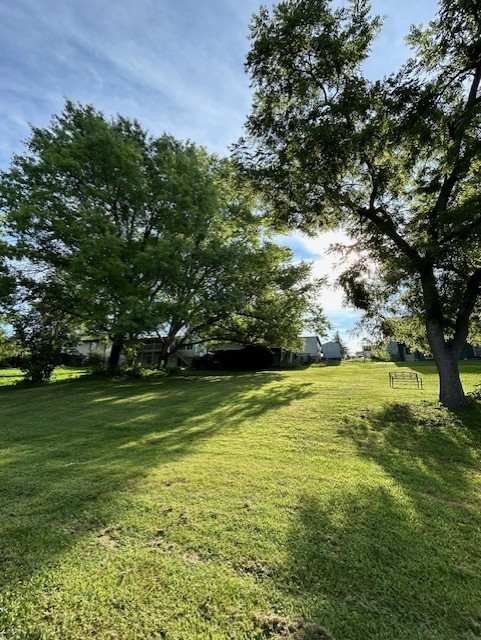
x=394 y=162
x=250 y=295
x=126 y=233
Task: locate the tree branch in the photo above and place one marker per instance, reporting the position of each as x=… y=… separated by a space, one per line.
x=457 y=135
x=471 y=294
x=386 y=225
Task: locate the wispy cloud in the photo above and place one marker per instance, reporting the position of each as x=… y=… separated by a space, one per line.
x=176 y=67
x=329 y=265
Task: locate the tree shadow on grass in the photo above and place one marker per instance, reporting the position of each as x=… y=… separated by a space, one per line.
x=398 y=555
x=69 y=448
x=423 y=447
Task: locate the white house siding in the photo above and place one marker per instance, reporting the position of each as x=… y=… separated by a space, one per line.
x=152 y=350
x=88 y=347
x=331 y=351
x=227 y=346
x=312 y=351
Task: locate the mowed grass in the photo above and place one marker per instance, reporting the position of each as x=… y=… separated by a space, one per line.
x=224 y=506
x=14 y=376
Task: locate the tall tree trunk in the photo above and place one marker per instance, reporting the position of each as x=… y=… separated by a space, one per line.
x=114 y=357
x=451 y=392
x=446 y=354
x=164 y=354
x=446 y=357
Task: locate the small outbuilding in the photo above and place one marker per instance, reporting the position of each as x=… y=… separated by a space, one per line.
x=331 y=351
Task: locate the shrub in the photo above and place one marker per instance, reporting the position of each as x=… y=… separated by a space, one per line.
x=173 y=371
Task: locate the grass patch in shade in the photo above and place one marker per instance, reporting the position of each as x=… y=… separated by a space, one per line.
x=314 y=503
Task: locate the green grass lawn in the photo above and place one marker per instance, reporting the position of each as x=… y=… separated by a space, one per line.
x=12 y=376
x=230 y=506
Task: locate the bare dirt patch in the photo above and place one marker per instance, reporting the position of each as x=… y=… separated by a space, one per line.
x=109 y=538
x=277 y=627
x=256 y=569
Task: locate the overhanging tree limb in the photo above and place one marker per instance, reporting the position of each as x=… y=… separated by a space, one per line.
x=325 y=147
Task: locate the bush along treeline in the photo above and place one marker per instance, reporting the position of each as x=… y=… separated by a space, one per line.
x=114 y=233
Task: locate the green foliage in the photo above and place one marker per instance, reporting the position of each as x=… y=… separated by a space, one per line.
x=282 y=302
x=43 y=338
x=130 y=234
x=173 y=370
x=133 y=371
x=107 y=211
x=379 y=353
x=9 y=347
x=395 y=162
x=95 y=359
x=409 y=330
x=476 y=392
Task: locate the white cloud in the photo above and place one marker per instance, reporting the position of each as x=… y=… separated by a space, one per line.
x=326 y=263
x=176 y=67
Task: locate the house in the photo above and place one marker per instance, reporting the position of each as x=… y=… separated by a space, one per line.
x=273 y=356
x=401 y=352
x=91 y=347
x=331 y=350
x=366 y=351
x=235 y=356
x=152 y=352
x=312 y=350
x=278 y=356
x=87 y=351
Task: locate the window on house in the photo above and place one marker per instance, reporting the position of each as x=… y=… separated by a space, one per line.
x=148 y=347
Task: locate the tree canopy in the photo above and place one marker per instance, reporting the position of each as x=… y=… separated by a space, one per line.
x=129 y=234
x=394 y=162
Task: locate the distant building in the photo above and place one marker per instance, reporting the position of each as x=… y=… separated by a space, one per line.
x=87 y=351
x=331 y=350
x=366 y=351
x=401 y=352
x=152 y=352
x=312 y=350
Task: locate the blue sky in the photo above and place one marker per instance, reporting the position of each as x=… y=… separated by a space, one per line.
x=175 y=66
